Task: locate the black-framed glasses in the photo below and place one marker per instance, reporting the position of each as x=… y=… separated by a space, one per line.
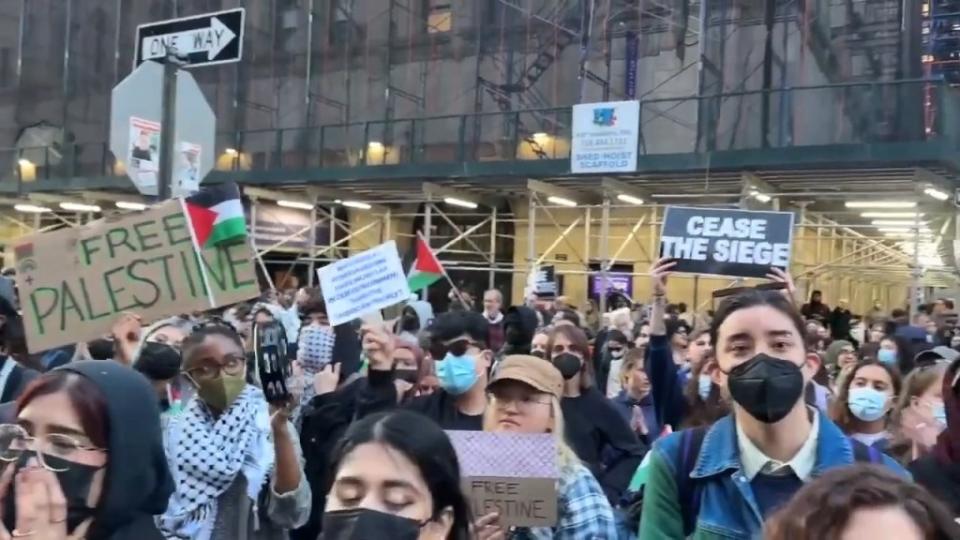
x=14 y=441
x=233 y=365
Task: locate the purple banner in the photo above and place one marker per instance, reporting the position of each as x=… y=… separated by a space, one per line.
x=633 y=51
x=614 y=282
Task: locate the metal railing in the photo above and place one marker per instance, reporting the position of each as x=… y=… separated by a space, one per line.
x=840 y=114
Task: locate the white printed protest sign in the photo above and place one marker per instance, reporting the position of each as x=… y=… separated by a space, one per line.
x=364 y=283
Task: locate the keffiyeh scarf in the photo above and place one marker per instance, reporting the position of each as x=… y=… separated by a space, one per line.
x=314 y=352
x=205 y=455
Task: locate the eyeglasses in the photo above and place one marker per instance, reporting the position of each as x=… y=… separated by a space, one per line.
x=232 y=366
x=524 y=402
x=14 y=441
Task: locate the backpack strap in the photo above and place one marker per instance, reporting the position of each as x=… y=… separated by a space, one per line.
x=689 y=497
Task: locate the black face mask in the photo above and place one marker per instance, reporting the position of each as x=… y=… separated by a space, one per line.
x=766 y=387
x=406 y=374
x=158 y=361
x=366 y=524
x=568 y=364
x=75 y=483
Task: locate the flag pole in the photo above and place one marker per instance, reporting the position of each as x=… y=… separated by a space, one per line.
x=197 y=253
x=443 y=271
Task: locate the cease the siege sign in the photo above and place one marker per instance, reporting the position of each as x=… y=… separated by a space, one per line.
x=726 y=242
x=74 y=283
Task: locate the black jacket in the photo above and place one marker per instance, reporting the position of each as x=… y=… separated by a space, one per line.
x=138 y=484
x=840 y=323
x=943 y=481
x=603 y=440
x=324 y=421
x=18 y=380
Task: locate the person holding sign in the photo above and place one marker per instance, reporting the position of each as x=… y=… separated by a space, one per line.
x=229 y=455
x=463 y=359
x=733 y=474
x=525 y=398
x=396 y=477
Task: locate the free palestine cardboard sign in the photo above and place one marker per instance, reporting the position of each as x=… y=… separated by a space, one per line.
x=75 y=282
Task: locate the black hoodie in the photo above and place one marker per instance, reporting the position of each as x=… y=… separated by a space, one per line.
x=138 y=484
x=519 y=327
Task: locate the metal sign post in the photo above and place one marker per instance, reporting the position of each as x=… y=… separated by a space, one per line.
x=166 y=142
x=168 y=124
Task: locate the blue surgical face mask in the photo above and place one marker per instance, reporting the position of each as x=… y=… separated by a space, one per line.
x=457 y=374
x=939 y=411
x=704 y=385
x=886 y=356
x=867 y=404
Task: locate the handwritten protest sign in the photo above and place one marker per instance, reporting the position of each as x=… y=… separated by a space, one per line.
x=74 y=283
x=522 y=489
x=726 y=242
x=364 y=283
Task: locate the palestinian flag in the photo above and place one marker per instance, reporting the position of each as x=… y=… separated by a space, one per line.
x=426 y=269
x=216 y=215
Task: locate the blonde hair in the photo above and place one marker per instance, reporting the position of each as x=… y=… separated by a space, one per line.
x=566 y=458
x=630 y=361
x=914 y=385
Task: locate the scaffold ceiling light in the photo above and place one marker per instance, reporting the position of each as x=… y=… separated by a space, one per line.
x=881 y=204
x=455 y=201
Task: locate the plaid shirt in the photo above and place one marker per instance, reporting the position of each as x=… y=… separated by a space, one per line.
x=583 y=511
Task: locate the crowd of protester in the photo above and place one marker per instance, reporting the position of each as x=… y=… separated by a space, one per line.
x=763 y=418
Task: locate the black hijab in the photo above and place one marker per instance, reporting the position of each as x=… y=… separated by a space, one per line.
x=138 y=484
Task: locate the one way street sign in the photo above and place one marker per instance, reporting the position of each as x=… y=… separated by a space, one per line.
x=211 y=38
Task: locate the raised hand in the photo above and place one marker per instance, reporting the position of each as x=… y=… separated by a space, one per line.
x=659 y=273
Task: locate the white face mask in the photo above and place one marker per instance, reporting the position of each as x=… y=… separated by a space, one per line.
x=704 y=385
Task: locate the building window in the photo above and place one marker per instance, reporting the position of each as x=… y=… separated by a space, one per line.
x=341 y=12
x=439 y=16
x=6 y=67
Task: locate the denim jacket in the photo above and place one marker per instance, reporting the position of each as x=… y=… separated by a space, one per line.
x=727 y=506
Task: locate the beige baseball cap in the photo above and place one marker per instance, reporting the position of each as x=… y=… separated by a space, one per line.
x=535 y=372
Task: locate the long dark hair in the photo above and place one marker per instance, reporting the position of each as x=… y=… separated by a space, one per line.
x=578 y=342
x=427 y=446
x=824 y=507
x=702 y=412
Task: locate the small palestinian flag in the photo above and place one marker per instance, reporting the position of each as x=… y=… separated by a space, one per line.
x=426 y=269
x=216 y=215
